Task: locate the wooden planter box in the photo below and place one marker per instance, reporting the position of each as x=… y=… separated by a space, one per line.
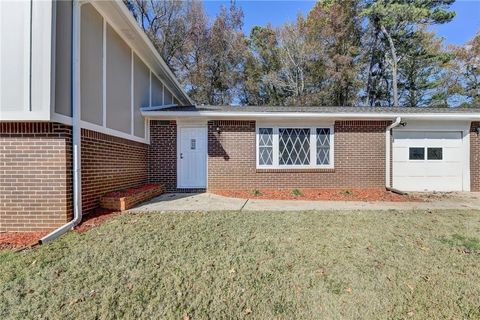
x=126 y=199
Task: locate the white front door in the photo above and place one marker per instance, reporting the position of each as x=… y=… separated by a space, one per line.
x=428 y=160
x=192 y=157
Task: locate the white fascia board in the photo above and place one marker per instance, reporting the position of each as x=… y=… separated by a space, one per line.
x=306 y=115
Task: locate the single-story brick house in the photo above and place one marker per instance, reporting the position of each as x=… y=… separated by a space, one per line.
x=87 y=106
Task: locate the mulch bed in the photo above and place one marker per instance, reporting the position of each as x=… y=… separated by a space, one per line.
x=19 y=240
x=319 y=194
x=22 y=240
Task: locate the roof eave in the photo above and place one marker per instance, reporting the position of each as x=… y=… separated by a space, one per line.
x=307 y=115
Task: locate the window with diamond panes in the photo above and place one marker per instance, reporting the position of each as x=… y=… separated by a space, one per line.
x=265 y=146
x=294 y=146
x=323 y=146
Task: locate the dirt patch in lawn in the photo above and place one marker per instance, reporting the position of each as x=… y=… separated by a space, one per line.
x=319 y=194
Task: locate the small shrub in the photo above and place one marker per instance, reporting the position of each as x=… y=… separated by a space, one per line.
x=297 y=193
x=256 y=193
x=346 y=192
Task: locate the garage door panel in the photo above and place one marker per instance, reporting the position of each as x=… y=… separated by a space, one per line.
x=443 y=170
x=405 y=169
x=445 y=174
x=401 y=154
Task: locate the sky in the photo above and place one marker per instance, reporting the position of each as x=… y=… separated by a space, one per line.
x=461 y=29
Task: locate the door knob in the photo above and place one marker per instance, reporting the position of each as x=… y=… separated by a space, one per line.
x=181 y=155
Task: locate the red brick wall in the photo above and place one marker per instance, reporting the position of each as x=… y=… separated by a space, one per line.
x=162 y=153
x=359 y=159
x=109 y=164
x=475 y=157
x=35 y=176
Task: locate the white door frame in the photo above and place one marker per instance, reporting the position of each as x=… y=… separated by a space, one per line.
x=458 y=126
x=180 y=126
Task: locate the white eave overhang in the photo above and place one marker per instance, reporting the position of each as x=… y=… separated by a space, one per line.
x=219 y=115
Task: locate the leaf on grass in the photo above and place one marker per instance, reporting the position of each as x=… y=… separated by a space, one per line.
x=248 y=311
x=74 y=301
x=320 y=272
x=349 y=290
x=185 y=316
x=410 y=313
x=409 y=286
x=231 y=271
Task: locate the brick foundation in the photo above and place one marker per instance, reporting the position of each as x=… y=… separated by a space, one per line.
x=475 y=157
x=110 y=164
x=35 y=176
x=359 y=159
x=162 y=154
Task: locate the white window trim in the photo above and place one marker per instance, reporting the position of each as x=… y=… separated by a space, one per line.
x=313 y=147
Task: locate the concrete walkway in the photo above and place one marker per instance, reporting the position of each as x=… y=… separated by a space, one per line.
x=211 y=202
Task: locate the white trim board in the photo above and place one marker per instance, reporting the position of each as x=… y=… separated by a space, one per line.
x=237 y=115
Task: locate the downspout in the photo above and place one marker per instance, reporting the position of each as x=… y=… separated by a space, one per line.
x=76 y=132
x=388 y=140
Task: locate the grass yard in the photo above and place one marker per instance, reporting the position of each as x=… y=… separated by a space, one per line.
x=304 y=265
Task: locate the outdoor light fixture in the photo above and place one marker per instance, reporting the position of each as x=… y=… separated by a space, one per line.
x=218 y=130
x=403 y=124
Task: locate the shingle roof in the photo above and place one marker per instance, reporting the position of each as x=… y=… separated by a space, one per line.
x=373 y=110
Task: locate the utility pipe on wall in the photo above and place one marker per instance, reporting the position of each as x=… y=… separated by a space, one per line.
x=388 y=140
x=76 y=131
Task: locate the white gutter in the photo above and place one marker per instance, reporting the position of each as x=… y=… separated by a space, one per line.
x=388 y=141
x=76 y=131
x=306 y=115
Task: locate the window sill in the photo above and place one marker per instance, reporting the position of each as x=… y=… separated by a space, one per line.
x=293 y=170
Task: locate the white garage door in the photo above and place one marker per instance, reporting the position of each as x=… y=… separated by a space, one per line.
x=428 y=161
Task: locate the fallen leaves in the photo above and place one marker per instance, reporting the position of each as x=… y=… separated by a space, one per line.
x=248 y=311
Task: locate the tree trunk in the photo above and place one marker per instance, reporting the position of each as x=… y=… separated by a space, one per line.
x=394 y=66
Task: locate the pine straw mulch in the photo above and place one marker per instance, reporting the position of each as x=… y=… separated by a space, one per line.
x=367 y=195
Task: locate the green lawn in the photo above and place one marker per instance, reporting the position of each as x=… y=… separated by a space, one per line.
x=304 y=265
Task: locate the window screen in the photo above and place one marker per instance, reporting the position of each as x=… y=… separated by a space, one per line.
x=417 y=153
x=435 y=153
